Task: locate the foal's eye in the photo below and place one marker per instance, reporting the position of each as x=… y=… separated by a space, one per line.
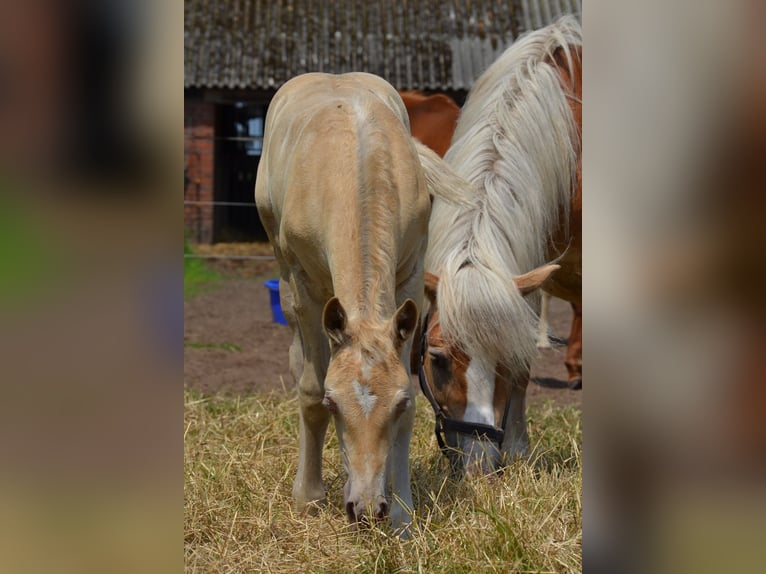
x=401 y=406
x=330 y=404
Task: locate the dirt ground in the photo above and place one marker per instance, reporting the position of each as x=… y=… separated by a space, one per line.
x=232 y=347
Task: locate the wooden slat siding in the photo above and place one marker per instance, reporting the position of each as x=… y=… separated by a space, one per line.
x=280 y=52
x=526 y=17
x=429 y=79
x=488 y=54
x=238 y=52
x=283 y=22
x=461 y=60
x=303 y=47
x=258 y=38
x=285 y=55
x=537 y=17
x=259 y=44
x=477 y=62
x=372 y=55
x=417 y=56
x=353 y=32
x=391 y=41
x=553 y=9
x=409 y=38
x=547 y=14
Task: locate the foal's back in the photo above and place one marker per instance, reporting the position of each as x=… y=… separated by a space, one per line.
x=341 y=177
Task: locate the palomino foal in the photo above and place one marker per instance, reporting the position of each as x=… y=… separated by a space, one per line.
x=343 y=199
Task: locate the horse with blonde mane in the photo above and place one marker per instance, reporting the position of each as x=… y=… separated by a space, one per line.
x=342 y=196
x=515 y=165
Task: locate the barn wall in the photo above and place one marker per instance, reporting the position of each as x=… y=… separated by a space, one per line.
x=199 y=161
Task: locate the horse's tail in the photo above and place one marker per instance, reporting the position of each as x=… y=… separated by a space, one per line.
x=442 y=181
x=482 y=310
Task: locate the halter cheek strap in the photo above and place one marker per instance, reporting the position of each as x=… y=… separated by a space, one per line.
x=443 y=422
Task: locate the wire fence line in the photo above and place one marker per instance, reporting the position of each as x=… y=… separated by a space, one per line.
x=226 y=203
x=227 y=138
x=228 y=256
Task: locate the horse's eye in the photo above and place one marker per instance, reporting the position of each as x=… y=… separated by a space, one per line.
x=439 y=359
x=330 y=404
x=401 y=406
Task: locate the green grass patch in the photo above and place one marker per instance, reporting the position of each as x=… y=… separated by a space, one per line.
x=240 y=457
x=27 y=263
x=198 y=276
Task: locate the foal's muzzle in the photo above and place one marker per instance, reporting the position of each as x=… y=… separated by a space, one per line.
x=359 y=512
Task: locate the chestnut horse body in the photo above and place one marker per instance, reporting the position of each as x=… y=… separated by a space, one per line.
x=342 y=196
x=515 y=161
x=432 y=118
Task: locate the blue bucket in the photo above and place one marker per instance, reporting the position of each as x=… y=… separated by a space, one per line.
x=276 y=308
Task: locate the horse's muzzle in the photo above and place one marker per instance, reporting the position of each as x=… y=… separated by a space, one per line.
x=359 y=512
x=480 y=457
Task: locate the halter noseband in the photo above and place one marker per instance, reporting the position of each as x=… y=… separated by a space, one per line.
x=443 y=422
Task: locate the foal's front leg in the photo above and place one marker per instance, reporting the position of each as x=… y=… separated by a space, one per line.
x=308 y=365
x=314 y=418
x=399 y=471
x=399 y=461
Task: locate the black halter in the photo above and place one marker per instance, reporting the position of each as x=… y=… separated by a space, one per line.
x=443 y=422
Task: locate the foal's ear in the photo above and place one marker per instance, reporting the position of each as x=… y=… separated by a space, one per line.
x=405 y=321
x=534 y=279
x=334 y=321
x=431 y=283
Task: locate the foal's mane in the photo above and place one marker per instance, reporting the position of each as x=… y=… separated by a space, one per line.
x=515 y=153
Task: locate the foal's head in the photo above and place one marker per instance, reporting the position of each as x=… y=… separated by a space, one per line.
x=367 y=390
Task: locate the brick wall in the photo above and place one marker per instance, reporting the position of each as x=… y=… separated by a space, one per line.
x=199 y=146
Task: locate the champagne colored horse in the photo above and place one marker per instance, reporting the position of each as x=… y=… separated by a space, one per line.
x=343 y=199
x=516 y=162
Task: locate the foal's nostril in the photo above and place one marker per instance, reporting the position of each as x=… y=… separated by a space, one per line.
x=350 y=512
x=363 y=515
x=382 y=510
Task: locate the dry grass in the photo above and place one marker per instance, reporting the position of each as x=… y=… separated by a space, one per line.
x=240 y=268
x=240 y=457
x=249 y=248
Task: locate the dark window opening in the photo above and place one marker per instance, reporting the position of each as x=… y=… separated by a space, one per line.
x=239 y=141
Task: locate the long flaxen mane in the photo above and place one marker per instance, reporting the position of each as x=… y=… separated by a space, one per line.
x=515 y=154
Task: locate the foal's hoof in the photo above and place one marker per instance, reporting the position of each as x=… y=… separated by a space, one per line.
x=576 y=384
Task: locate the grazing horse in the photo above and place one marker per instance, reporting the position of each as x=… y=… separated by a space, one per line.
x=432 y=122
x=515 y=158
x=432 y=118
x=342 y=196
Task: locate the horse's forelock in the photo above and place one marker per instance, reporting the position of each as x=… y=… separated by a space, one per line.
x=482 y=311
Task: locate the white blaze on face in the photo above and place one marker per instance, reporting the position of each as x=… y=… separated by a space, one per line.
x=366 y=370
x=365 y=397
x=480 y=394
